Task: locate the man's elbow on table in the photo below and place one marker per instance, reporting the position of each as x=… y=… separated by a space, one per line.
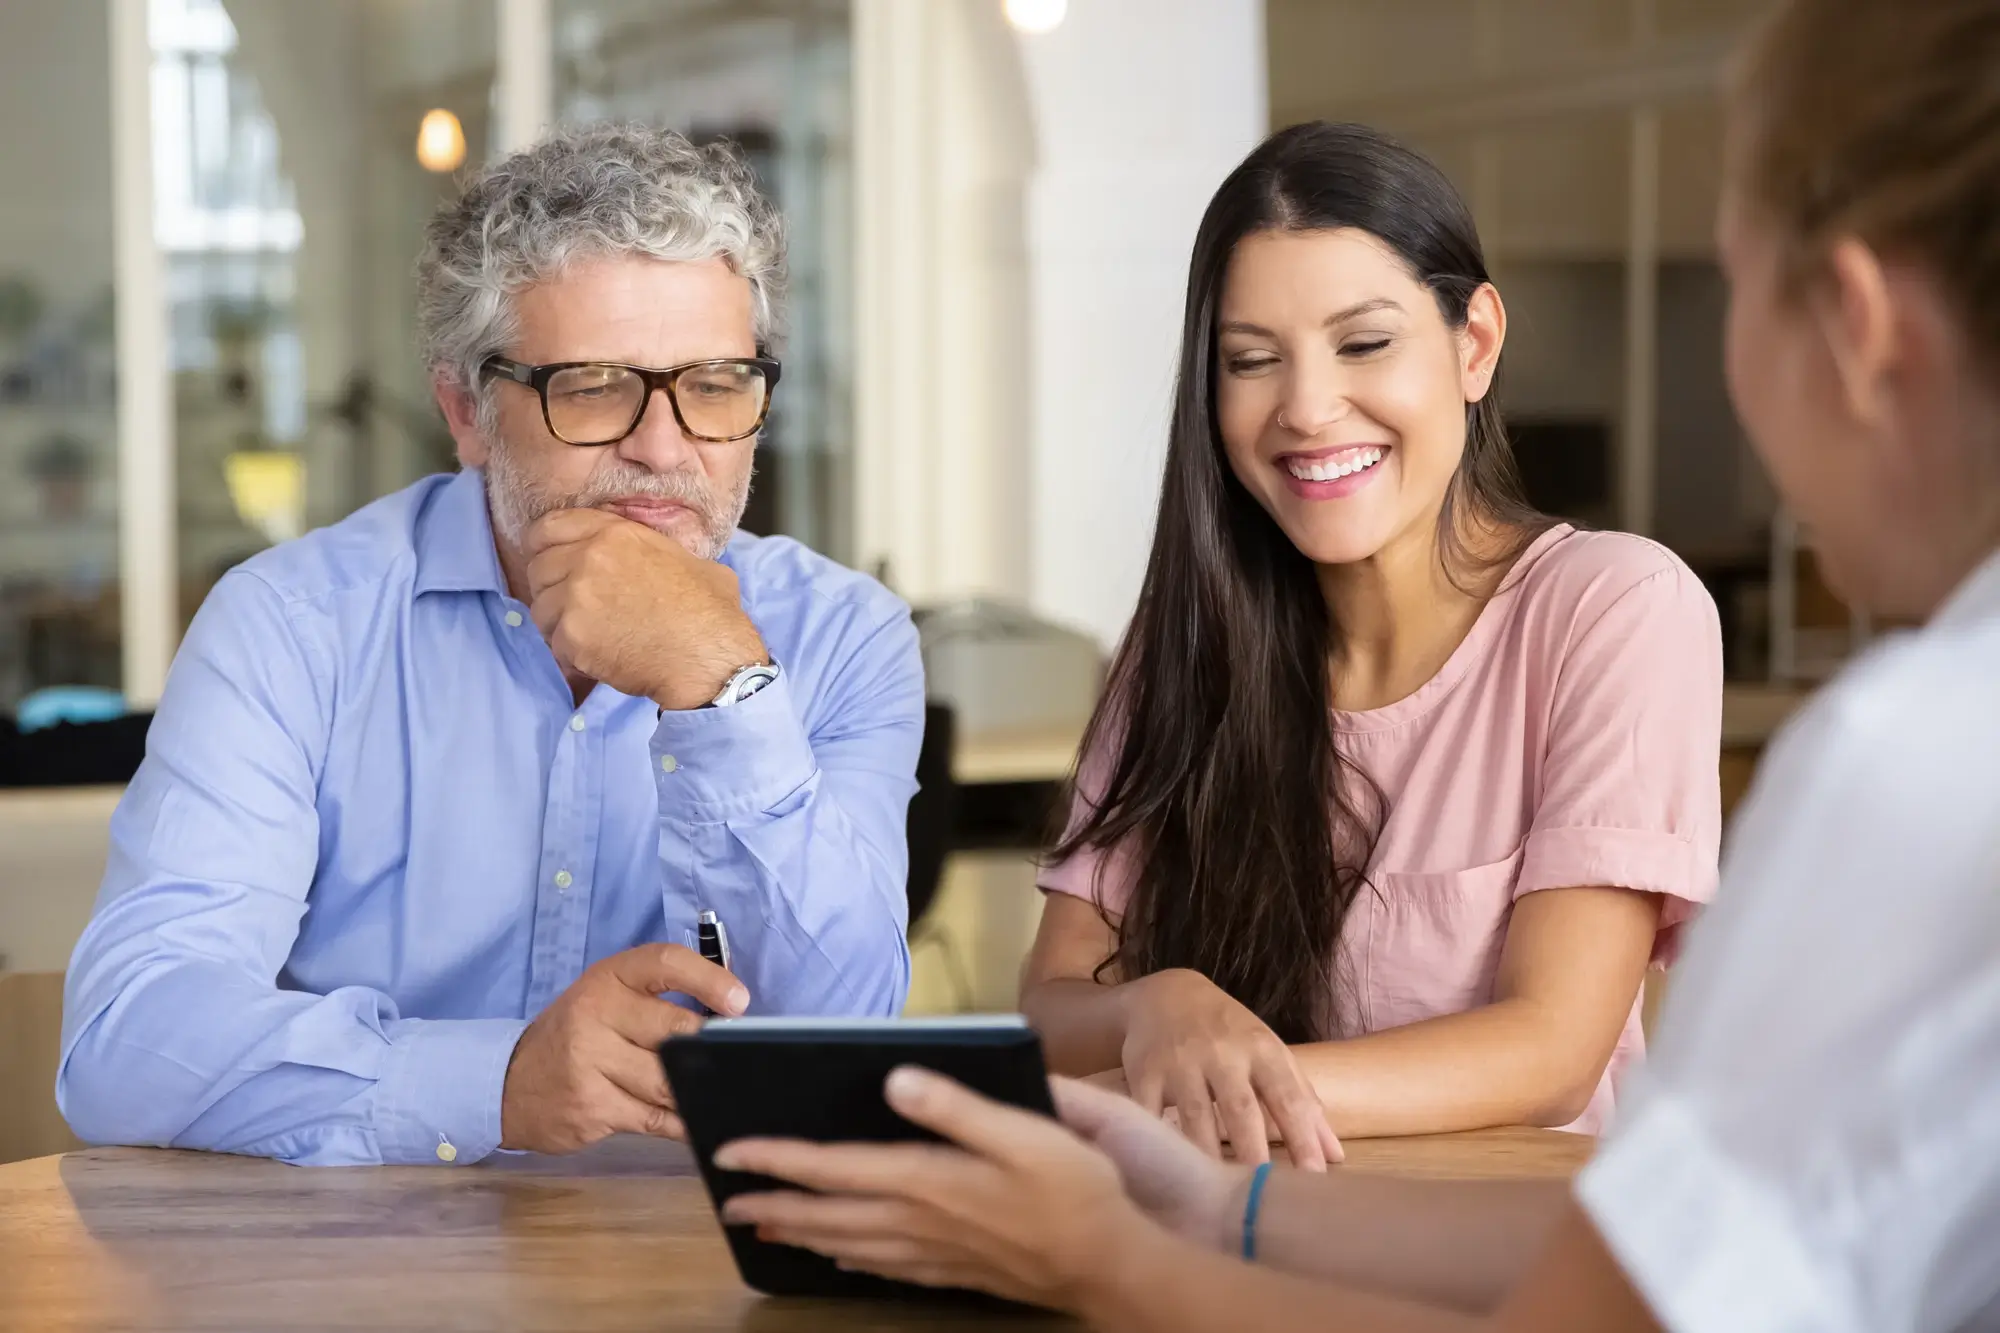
x=115 y=1093
x=113 y=1086
x=104 y=1103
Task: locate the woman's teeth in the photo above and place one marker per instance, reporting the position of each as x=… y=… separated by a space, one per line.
x=1312 y=469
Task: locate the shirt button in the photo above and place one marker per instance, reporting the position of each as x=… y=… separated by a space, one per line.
x=668 y=763
x=513 y=620
x=563 y=879
x=447 y=1153
x=576 y=722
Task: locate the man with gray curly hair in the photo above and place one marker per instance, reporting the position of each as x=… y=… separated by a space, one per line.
x=435 y=796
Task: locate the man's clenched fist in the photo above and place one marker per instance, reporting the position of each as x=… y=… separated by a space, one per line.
x=620 y=603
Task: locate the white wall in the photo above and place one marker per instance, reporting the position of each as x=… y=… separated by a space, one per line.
x=1141 y=108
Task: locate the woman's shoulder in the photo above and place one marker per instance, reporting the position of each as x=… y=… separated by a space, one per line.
x=1570 y=579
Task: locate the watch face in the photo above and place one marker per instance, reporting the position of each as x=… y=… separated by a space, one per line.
x=746 y=683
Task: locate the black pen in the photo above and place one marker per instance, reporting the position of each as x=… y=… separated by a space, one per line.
x=712 y=938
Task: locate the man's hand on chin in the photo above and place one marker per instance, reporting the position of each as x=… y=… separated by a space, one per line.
x=623 y=604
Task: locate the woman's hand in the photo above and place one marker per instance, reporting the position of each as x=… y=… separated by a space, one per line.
x=1176 y=1183
x=1022 y=1208
x=1190 y=1046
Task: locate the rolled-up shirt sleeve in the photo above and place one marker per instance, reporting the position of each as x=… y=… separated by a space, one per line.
x=176 y=1029
x=1631 y=792
x=792 y=828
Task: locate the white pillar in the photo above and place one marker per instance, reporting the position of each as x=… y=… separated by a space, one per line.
x=1142 y=107
x=147 y=560
x=942 y=152
x=524 y=75
x=894 y=400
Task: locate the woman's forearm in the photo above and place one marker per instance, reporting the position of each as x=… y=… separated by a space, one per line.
x=1544 y=1268
x=1081 y=1023
x=1161 y=1284
x=1462 y=1244
x=1513 y=1062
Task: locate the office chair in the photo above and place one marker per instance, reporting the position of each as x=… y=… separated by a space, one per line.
x=71 y=754
x=933 y=817
x=932 y=829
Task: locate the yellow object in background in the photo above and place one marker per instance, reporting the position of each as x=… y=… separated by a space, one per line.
x=268 y=488
x=440 y=141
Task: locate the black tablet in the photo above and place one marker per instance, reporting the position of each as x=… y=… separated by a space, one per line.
x=821 y=1079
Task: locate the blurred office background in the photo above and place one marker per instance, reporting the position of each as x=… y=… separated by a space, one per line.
x=206 y=340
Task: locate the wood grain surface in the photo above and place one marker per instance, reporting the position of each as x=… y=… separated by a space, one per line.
x=620 y=1237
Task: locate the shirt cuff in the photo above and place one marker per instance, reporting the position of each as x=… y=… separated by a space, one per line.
x=1618 y=858
x=714 y=764
x=1643 y=860
x=438 y=1099
x=1700 y=1239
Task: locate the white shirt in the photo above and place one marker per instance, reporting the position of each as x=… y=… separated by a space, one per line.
x=1815 y=1144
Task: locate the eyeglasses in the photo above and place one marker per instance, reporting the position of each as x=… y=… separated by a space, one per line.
x=601 y=402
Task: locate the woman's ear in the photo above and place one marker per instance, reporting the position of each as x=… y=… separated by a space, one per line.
x=1480 y=341
x=1856 y=314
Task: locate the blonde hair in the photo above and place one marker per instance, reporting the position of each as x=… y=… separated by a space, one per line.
x=1880 y=119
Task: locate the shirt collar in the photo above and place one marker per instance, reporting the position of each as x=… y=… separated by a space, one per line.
x=1976 y=598
x=455 y=551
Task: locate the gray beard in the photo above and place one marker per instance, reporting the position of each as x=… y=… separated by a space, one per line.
x=517 y=500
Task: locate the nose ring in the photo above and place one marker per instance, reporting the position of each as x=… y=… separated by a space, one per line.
x=1282 y=423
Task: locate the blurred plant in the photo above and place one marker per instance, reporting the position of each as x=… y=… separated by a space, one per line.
x=20 y=307
x=237 y=322
x=61 y=467
x=99 y=321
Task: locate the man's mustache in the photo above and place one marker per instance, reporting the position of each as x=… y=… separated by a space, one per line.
x=674 y=487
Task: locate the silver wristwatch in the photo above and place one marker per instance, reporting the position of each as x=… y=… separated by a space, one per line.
x=746 y=682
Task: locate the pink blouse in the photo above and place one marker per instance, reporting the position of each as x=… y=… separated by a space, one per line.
x=1572 y=740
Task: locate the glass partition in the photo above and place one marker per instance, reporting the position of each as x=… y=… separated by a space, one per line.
x=298 y=150
x=59 y=621
x=774 y=77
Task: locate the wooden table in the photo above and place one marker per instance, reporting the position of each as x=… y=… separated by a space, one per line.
x=620 y=1237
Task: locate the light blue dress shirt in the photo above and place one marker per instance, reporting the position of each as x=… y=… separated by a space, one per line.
x=373 y=837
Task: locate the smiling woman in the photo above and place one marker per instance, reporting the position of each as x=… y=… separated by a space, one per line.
x=1398 y=785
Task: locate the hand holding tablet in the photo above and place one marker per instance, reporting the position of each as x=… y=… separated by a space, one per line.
x=821 y=1080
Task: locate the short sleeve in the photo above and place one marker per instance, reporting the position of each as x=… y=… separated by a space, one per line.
x=1631 y=791
x=1815 y=1142
x=1102 y=876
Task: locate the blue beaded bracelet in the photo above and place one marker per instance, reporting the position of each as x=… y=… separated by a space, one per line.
x=1250 y=1206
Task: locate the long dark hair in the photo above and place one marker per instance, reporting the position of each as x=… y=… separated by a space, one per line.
x=1218 y=708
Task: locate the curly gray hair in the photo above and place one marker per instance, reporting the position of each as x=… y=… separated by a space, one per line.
x=604 y=189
